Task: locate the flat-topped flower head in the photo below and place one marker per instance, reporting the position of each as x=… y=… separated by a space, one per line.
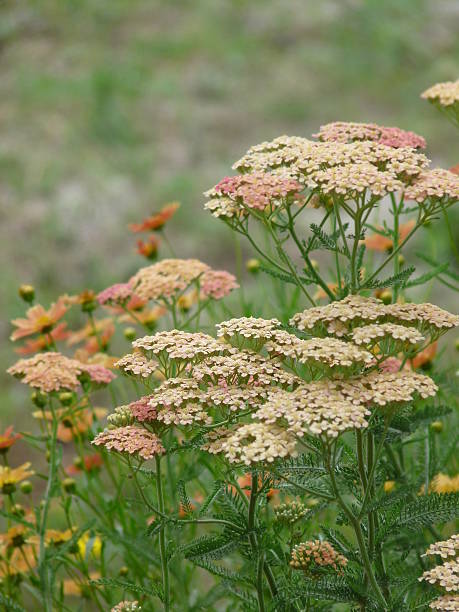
x=247 y=332
x=435 y=185
x=445 y=94
x=217 y=284
x=446 y=602
x=343 y=131
x=242 y=367
x=384 y=388
x=141 y=409
x=317 y=555
x=260 y=191
x=370 y=335
x=428 y=317
x=180 y=345
x=334 y=166
x=54 y=372
x=38 y=320
x=317 y=352
x=167 y=278
x=234 y=398
x=353 y=310
x=130 y=440
x=353 y=180
x=137 y=364
x=120 y=293
x=252 y=443
x=446 y=575
x=316 y=408
x=444 y=548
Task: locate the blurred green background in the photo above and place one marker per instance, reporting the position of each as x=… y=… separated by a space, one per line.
x=110 y=108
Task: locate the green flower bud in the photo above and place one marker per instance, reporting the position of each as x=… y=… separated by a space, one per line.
x=39 y=399
x=120 y=418
x=253 y=265
x=26 y=487
x=27 y=293
x=66 y=398
x=437 y=426
x=123 y=571
x=130 y=333
x=69 y=485
x=291 y=512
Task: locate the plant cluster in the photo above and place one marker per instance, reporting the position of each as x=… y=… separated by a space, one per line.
x=298 y=462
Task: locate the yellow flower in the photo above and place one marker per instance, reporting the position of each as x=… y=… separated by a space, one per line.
x=9 y=477
x=389 y=486
x=442 y=483
x=89 y=545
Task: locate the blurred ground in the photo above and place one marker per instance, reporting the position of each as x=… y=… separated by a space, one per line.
x=110 y=108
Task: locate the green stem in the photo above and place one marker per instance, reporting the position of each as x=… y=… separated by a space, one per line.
x=358 y=532
x=162 y=536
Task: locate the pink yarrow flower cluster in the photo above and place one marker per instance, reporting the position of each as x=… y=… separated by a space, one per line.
x=115 y=294
x=258 y=189
x=217 y=284
x=343 y=131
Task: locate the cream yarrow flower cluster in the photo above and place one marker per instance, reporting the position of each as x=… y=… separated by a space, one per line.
x=180 y=345
x=445 y=548
x=446 y=94
x=252 y=443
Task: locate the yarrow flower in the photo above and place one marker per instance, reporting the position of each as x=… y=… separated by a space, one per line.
x=444 y=548
x=370 y=334
x=167 y=278
x=252 y=443
x=316 y=408
x=217 y=284
x=137 y=364
x=53 y=372
x=126 y=606
x=180 y=345
x=119 y=293
x=436 y=184
x=343 y=131
x=131 y=440
x=446 y=575
x=317 y=555
x=446 y=94
x=446 y=602
x=258 y=191
x=234 y=398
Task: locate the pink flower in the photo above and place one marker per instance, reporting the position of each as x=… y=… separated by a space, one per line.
x=98 y=374
x=217 y=284
x=116 y=294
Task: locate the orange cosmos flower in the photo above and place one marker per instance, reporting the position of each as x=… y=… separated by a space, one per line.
x=81 y=587
x=7 y=439
x=41 y=343
x=90 y=463
x=455 y=169
x=157 y=220
x=148 y=248
x=245 y=482
x=425 y=357
x=38 y=320
x=104 y=328
x=378 y=242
